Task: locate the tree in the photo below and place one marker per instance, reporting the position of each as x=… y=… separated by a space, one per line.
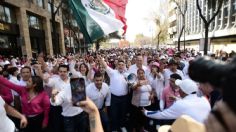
x=162 y=29
x=53 y=20
x=182 y=12
x=159 y=17
x=99 y=41
x=142 y=40
x=68 y=21
x=215 y=5
x=114 y=35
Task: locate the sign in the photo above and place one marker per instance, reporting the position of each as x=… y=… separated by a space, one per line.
x=4 y=27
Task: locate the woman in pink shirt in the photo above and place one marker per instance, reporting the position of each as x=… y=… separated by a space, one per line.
x=34 y=100
x=170 y=93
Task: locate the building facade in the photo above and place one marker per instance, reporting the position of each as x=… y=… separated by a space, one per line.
x=26 y=29
x=172 y=19
x=74 y=40
x=222 y=31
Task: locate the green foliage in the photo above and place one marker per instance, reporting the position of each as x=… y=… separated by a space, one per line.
x=140 y=39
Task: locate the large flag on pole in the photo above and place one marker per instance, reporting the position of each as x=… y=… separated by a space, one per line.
x=119 y=7
x=95 y=18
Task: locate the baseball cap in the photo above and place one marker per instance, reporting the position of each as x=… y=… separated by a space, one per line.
x=188 y=86
x=155 y=64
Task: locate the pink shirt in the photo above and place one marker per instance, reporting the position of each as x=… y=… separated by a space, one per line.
x=166 y=96
x=6 y=94
x=39 y=104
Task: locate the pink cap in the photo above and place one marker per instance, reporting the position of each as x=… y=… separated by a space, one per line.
x=155 y=64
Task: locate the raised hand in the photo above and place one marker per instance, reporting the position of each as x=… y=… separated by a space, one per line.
x=88 y=106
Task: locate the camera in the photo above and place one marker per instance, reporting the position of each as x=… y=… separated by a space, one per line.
x=220 y=75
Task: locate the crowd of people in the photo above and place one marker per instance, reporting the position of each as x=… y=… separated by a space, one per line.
x=36 y=95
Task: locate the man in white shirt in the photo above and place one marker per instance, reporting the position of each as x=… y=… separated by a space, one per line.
x=99 y=93
x=139 y=65
x=172 y=68
x=196 y=107
x=13 y=72
x=74 y=117
x=119 y=94
x=13 y=61
x=25 y=73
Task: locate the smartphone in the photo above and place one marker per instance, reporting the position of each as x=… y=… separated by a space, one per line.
x=77 y=90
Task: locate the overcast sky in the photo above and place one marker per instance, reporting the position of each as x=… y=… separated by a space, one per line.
x=138 y=14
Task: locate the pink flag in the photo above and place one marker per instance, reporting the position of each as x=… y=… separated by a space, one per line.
x=119 y=7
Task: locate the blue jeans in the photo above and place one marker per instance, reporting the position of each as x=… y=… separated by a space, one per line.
x=118 y=110
x=78 y=123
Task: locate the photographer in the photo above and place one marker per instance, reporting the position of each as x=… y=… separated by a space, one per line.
x=222 y=77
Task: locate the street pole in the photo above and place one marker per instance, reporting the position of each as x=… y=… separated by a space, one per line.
x=184 y=38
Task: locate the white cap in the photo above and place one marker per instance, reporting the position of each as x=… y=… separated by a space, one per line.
x=187 y=85
x=162 y=57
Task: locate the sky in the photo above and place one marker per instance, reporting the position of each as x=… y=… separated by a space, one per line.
x=138 y=14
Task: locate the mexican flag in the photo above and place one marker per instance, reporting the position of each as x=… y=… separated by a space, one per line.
x=119 y=7
x=95 y=18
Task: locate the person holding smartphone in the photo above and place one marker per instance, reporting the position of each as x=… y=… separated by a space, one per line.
x=73 y=116
x=94 y=117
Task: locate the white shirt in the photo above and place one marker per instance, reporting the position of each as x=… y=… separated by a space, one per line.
x=157 y=84
x=168 y=72
x=14 y=80
x=22 y=83
x=99 y=96
x=6 y=124
x=141 y=96
x=64 y=97
x=118 y=83
x=196 y=107
x=13 y=62
x=185 y=70
x=134 y=68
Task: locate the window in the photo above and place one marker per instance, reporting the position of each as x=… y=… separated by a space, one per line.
x=40 y=3
x=234 y=6
x=7 y=14
x=55 y=8
x=34 y=22
x=74 y=23
x=49 y=7
x=2 y=13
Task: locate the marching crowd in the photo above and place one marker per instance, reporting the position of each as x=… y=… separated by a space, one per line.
x=36 y=96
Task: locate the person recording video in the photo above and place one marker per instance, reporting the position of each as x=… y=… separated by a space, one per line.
x=221 y=76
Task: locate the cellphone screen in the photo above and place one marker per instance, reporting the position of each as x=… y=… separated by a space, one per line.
x=77 y=90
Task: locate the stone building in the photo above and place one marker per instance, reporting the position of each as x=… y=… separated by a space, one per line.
x=222 y=31
x=25 y=28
